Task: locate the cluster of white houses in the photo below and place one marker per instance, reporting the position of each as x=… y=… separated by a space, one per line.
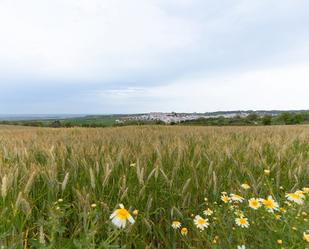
x=176 y=117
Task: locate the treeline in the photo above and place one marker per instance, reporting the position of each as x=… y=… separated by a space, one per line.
x=286 y=118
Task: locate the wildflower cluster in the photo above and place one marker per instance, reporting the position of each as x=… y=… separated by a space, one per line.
x=177 y=225
x=240 y=206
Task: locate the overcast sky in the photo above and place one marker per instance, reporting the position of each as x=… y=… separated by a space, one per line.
x=129 y=56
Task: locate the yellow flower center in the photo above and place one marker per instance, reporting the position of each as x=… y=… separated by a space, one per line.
x=242 y=221
x=122 y=214
x=269 y=203
x=254 y=203
x=201 y=221
x=225 y=199
x=295 y=196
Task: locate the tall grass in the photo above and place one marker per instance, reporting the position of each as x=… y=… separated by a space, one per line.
x=51 y=177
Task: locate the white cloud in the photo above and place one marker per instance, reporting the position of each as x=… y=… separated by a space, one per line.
x=274 y=88
x=151 y=55
x=81 y=39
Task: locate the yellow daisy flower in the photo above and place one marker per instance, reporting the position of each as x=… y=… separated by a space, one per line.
x=306 y=190
x=225 y=198
x=270 y=204
x=120 y=216
x=266 y=172
x=184 y=231
x=254 y=203
x=245 y=186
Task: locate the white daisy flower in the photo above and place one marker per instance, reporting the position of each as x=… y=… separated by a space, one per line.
x=242 y=222
x=270 y=204
x=208 y=212
x=200 y=222
x=254 y=203
x=120 y=216
x=236 y=198
x=176 y=224
x=294 y=197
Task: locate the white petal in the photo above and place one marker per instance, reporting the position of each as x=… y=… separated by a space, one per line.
x=123 y=223
x=113 y=215
x=116 y=222
x=131 y=219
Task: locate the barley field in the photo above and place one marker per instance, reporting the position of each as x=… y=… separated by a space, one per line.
x=180 y=187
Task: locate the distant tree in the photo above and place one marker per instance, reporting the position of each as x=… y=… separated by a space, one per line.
x=56 y=124
x=298 y=118
x=305 y=116
x=221 y=120
x=38 y=124
x=68 y=124
x=286 y=118
x=252 y=117
x=266 y=120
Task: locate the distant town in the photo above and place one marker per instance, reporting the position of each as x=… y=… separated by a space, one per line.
x=275 y=117
x=173 y=117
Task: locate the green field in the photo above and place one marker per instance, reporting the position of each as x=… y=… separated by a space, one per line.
x=60 y=186
x=87 y=121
